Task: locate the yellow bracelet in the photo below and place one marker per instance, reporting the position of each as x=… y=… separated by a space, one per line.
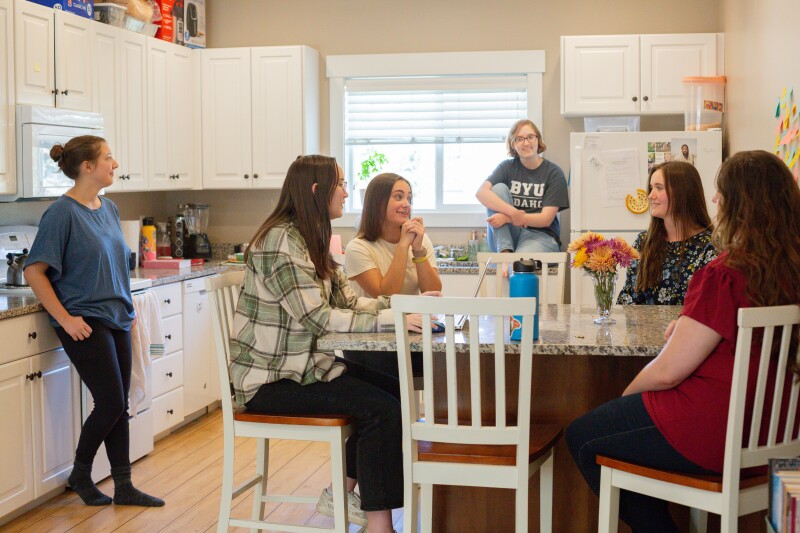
x=416 y=260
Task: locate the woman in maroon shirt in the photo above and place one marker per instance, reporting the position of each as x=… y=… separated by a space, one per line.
x=688 y=385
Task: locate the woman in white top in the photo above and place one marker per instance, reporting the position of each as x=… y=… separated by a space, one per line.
x=390 y=255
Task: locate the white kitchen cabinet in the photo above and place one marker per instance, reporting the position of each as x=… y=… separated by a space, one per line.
x=201 y=381
x=167 y=370
x=8 y=176
x=633 y=74
x=260 y=109
x=173 y=116
x=40 y=419
x=120 y=95
x=53 y=57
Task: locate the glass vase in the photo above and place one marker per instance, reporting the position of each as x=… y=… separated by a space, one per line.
x=604 y=285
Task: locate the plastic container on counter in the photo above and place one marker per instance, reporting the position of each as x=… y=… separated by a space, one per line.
x=705 y=102
x=112 y=14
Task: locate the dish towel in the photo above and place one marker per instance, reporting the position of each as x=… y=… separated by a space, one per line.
x=147 y=340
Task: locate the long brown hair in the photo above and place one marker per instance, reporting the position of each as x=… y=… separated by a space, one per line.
x=757 y=225
x=376 y=199
x=687 y=207
x=70 y=156
x=306 y=210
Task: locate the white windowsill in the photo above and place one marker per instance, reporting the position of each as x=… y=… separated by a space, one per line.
x=432 y=220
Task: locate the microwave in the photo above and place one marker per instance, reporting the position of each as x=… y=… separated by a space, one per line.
x=37 y=130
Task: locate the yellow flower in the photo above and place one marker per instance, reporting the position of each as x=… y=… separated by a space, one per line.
x=580 y=258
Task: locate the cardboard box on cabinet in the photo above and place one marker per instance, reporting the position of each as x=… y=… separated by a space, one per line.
x=171 y=29
x=194 y=23
x=83 y=8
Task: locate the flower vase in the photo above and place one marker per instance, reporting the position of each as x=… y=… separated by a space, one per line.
x=604 y=285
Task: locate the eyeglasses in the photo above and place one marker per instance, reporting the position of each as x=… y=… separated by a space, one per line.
x=530 y=138
x=343 y=185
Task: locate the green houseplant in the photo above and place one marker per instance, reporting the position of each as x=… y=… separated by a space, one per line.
x=371 y=165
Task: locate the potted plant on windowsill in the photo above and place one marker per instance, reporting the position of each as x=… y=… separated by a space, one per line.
x=370 y=166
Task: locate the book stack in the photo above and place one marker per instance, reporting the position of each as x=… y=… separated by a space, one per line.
x=784 y=495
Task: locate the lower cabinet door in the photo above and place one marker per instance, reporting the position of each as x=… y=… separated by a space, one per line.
x=16 y=439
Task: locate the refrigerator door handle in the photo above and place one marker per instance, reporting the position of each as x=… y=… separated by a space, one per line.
x=576 y=205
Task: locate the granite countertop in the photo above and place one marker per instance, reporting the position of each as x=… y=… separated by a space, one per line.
x=451 y=266
x=11 y=306
x=563 y=330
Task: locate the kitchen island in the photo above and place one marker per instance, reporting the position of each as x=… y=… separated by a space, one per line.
x=576 y=366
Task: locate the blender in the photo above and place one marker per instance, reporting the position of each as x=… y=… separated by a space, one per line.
x=196 y=218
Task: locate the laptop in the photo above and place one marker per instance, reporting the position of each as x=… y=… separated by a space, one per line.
x=460 y=320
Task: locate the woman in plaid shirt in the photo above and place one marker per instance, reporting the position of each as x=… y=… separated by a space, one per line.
x=294 y=293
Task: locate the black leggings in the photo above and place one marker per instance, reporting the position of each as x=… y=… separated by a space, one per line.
x=103 y=362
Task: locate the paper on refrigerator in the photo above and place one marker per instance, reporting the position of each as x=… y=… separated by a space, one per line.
x=619 y=171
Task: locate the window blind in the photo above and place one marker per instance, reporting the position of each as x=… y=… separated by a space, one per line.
x=432 y=110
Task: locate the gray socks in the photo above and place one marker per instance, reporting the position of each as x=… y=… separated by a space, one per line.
x=126 y=494
x=80 y=480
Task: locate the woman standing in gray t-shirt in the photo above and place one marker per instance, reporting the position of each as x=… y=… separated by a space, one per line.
x=78 y=269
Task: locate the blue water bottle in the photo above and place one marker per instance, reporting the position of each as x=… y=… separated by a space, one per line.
x=524 y=283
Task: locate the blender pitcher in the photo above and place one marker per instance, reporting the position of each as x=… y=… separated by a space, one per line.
x=197 y=244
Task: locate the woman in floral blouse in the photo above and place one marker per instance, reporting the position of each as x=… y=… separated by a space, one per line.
x=678 y=241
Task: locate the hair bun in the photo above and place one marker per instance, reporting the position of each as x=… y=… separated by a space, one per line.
x=57 y=152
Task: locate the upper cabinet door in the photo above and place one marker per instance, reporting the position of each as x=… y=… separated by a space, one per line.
x=600 y=74
x=73 y=60
x=184 y=138
x=34 y=49
x=666 y=59
x=8 y=176
x=157 y=111
x=105 y=89
x=227 y=119
x=277 y=112
x=132 y=147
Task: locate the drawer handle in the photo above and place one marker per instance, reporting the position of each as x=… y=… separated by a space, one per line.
x=32 y=335
x=170 y=411
x=167 y=301
x=169 y=374
x=168 y=336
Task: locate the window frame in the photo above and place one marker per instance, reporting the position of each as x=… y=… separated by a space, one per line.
x=338 y=68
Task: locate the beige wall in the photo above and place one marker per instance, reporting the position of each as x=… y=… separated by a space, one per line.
x=369 y=26
x=761 y=59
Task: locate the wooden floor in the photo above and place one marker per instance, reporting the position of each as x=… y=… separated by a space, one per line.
x=185 y=469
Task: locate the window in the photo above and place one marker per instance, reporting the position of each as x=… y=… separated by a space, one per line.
x=440 y=120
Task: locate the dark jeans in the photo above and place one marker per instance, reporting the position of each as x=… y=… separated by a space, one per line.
x=373 y=452
x=103 y=362
x=380 y=368
x=623 y=429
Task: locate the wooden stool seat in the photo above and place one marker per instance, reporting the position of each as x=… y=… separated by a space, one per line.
x=243 y=415
x=703 y=482
x=543 y=438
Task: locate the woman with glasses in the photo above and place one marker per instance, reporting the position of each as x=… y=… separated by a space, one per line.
x=523 y=195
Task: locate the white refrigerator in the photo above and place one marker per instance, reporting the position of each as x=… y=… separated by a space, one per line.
x=605 y=167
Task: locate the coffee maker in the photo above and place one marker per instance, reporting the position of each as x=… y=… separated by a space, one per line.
x=196 y=220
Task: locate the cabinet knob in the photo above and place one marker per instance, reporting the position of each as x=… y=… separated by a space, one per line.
x=634 y=99
x=168 y=336
x=255 y=176
x=32 y=335
x=65 y=92
x=170 y=411
x=247 y=176
x=167 y=301
x=39 y=374
x=30 y=377
x=645 y=98
x=169 y=374
x=54 y=91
